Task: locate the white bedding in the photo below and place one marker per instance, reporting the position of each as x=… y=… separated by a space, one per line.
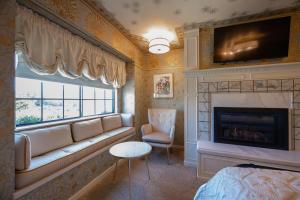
x=251 y=183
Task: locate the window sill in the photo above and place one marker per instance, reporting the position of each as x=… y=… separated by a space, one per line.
x=61 y=122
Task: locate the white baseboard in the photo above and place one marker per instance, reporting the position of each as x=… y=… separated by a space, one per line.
x=94 y=182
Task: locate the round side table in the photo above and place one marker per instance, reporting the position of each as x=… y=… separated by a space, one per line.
x=129 y=151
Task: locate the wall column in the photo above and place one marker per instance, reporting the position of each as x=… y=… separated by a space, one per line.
x=7 y=98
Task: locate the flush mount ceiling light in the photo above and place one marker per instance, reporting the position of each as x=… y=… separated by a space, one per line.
x=159 y=40
x=159 y=45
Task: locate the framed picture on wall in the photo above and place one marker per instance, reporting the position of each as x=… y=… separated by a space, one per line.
x=163 y=86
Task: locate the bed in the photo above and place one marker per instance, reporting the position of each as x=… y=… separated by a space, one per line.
x=251 y=183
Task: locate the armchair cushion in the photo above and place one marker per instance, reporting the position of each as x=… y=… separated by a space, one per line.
x=146 y=129
x=157 y=137
x=162 y=120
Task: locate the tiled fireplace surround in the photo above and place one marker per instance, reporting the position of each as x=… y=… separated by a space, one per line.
x=206 y=89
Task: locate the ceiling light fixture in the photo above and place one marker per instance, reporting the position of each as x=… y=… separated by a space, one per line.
x=159 y=40
x=159 y=45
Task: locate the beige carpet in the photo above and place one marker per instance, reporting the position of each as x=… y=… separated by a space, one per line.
x=174 y=181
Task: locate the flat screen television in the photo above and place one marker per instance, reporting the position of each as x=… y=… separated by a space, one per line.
x=251 y=41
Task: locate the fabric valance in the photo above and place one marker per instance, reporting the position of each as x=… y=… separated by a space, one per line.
x=48 y=49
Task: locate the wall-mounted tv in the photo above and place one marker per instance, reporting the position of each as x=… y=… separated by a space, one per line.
x=251 y=41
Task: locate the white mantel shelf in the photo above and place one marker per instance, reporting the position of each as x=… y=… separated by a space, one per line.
x=272 y=156
x=295 y=66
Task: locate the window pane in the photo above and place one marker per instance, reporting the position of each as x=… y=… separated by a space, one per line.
x=100 y=109
x=52 y=110
x=108 y=94
x=28 y=112
x=71 y=91
x=99 y=93
x=28 y=88
x=88 y=93
x=52 y=90
x=108 y=106
x=71 y=108
x=88 y=107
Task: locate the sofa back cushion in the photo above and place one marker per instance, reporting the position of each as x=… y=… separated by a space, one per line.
x=86 y=129
x=127 y=119
x=111 y=122
x=48 y=139
x=22 y=151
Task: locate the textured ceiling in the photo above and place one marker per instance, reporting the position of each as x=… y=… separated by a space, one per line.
x=138 y=16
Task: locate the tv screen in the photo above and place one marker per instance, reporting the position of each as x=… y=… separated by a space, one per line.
x=252 y=41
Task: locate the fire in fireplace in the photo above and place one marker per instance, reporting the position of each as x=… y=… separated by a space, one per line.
x=259 y=127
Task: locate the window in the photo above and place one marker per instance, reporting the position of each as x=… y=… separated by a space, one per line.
x=43 y=101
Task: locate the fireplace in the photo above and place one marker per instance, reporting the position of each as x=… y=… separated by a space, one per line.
x=259 y=127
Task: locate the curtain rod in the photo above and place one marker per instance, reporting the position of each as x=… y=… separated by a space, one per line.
x=73 y=28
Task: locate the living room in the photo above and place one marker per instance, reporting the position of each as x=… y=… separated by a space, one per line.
x=150 y=99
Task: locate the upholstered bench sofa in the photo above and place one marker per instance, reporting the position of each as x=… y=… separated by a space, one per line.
x=42 y=152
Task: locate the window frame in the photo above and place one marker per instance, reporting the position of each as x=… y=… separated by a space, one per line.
x=63 y=99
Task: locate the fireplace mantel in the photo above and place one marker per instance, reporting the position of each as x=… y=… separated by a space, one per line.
x=278 y=70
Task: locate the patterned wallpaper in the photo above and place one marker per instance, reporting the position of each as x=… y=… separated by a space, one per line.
x=171 y=62
x=140 y=107
x=206 y=38
x=172 y=59
x=7 y=33
x=128 y=91
x=177 y=102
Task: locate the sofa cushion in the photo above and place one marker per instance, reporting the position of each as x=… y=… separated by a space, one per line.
x=42 y=166
x=127 y=119
x=47 y=164
x=48 y=139
x=91 y=145
x=111 y=122
x=86 y=129
x=157 y=137
x=117 y=134
x=22 y=151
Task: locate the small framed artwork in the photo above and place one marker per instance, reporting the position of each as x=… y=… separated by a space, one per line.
x=163 y=86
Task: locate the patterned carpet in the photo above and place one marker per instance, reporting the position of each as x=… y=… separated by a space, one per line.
x=174 y=181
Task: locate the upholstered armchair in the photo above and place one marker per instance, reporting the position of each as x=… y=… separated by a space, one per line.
x=161 y=128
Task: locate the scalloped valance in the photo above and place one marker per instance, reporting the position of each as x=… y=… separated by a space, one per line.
x=48 y=49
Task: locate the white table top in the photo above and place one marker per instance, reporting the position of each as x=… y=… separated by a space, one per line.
x=130 y=149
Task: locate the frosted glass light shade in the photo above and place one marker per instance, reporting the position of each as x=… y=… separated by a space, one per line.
x=159 y=45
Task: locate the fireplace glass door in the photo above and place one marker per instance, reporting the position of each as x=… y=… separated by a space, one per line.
x=260 y=127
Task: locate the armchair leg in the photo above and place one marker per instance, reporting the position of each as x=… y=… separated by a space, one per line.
x=168 y=154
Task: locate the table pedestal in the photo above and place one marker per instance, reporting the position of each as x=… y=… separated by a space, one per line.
x=129 y=172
